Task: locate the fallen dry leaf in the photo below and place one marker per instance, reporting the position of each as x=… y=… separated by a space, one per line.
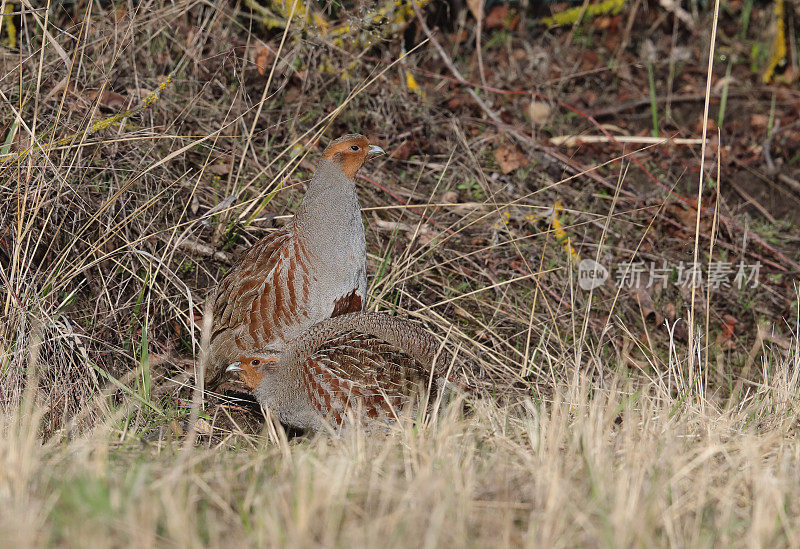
x=607 y=22
x=670 y=311
x=589 y=60
x=120 y=13
x=109 y=99
x=427 y=237
x=642 y=297
x=678 y=326
x=219 y=169
x=712 y=127
x=205 y=250
x=509 y=158
x=687 y=217
x=789 y=76
x=725 y=337
x=423 y=233
x=264 y=56
x=461 y=100
x=501 y=17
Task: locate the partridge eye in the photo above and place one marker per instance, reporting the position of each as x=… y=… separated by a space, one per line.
x=255 y=362
x=355 y=148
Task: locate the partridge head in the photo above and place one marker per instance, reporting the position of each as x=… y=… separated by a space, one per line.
x=349 y=153
x=252 y=368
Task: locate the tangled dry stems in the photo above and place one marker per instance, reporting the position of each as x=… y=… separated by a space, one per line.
x=109 y=244
x=619 y=465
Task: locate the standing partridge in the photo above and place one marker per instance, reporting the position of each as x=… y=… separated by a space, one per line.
x=368 y=363
x=310 y=270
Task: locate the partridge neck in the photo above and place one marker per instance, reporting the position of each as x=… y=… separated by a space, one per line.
x=330 y=206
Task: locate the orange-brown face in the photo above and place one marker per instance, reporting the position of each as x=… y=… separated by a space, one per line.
x=350 y=152
x=251 y=369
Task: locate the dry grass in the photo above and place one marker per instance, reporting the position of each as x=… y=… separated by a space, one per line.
x=618 y=465
x=592 y=426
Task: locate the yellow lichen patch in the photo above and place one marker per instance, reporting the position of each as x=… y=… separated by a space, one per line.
x=505 y=217
x=152 y=96
x=558 y=228
x=779 y=48
x=8 y=22
x=145 y=103
x=265 y=16
x=301 y=11
x=411 y=84
x=97 y=126
x=386 y=20
x=570 y=16
x=561 y=235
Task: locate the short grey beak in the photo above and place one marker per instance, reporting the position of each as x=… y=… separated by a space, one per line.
x=235 y=367
x=374 y=149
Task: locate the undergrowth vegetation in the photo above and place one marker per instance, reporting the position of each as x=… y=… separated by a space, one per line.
x=619 y=465
x=145 y=145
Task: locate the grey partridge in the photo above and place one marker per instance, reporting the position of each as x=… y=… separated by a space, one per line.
x=370 y=364
x=310 y=270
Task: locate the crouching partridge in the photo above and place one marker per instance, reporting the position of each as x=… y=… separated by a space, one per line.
x=368 y=364
x=312 y=269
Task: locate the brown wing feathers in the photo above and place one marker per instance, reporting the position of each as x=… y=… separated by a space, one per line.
x=365 y=360
x=244 y=285
x=410 y=338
